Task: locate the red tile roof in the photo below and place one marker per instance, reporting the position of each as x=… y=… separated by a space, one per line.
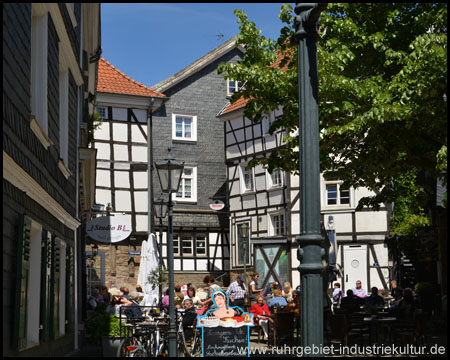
x=112 y=80
x=240 y=103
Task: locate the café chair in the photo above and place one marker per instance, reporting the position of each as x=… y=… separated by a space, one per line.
x=340 y=331
x=283 y=328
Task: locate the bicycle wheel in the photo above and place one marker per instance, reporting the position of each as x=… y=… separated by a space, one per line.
x=196 y=349
x=132 y=347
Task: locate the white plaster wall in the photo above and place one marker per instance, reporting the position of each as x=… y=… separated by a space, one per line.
x=141 y=201
x=188 y=265
x=136 y=134
x=139 y=153
x=103 y=151
x=141 y=223
x=122 y=179
x=140 y=180
x=371 y=221
x=120 y=132
x=102 y=132
x=202 y=265
x=103 y=178
x=123 y=201
x=102 y=196
x=121 y=152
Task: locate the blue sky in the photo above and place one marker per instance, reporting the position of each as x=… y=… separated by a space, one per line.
x=150 y=42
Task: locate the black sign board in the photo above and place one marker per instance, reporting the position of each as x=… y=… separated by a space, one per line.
x=225 y=341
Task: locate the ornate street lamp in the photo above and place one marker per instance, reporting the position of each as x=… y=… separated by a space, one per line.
x=243 y=234
x=169 y=174
x=310 y=251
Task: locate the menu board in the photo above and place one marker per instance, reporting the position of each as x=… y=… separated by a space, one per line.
x=225 y=341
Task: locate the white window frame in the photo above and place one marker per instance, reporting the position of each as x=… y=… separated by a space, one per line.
x=39 y=72
x=234 y=88
x=193 y=118
x=272 y=217
x=201 y=238
x=338 y=195
x=193 y=178
x=269 y=179
x=244 y=171
x=237 y=257
x=101 y=109
x=176 y=248
x=188 y=238
x=64 y=115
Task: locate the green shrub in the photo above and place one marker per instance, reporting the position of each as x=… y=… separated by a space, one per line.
x=425 y=288
x=102 y=324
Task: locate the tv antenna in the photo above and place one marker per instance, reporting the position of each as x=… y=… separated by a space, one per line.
x=219 y=36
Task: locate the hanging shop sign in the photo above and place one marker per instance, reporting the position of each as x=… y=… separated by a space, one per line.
x=109 y=229
x=217 y=205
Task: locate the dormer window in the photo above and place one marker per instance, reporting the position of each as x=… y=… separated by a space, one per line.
x=233 y=86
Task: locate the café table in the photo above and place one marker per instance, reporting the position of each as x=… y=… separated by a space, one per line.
x=377 y=326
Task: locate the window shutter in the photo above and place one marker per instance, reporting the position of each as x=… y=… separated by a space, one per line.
x=44 y=328
x=54 y=289
x=22 y=276
x=69 y=289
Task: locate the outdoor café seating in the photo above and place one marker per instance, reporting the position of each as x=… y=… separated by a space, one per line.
x=283 y=328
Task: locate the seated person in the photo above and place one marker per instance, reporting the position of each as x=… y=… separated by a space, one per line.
x=350 y=302
x=294 y=306
x=271 y=287
x=261 y=312
x=278 y=300
x=133 y=310
x=189 y=317
x=406 y=306
x=374 y=300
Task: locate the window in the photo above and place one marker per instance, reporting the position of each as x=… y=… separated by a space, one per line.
x=187 y=242
x=276 y=224
x=200 y=244
x=187 y=191
x=101 y=111
x=274 y=180
x=39 y=46
x=337 y=195
x=233 y=86
x=242 y=247
x=176 y=244
x=247 y=179
x=64 y=116
x=184 y=127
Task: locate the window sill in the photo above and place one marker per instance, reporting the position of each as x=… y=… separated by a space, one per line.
x=184 y=141
x=248 y=192
x=41 y=135
x=185 y=201
x=64 y=169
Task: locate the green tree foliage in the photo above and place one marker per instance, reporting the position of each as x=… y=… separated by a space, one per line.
x=382 y=98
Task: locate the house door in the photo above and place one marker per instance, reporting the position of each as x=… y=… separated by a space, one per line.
x=271 y=262
x=355 y=266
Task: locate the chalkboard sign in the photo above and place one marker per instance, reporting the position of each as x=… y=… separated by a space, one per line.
x=225 y=329
x=225 y=341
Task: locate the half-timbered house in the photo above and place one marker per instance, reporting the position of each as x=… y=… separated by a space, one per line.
x=188 y=123
x=50 y=54
x=269 y=205
x=125 y=107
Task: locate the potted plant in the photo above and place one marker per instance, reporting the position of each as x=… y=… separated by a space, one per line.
x=104 y=329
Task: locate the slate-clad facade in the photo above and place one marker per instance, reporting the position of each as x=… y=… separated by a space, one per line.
x=197 y=93
x=41 y=46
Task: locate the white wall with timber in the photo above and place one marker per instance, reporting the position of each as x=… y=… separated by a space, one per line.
x=245 y=140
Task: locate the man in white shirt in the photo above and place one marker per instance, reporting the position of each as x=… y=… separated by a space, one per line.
x=358 y=290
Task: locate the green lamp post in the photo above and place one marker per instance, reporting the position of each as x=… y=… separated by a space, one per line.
x=310 y=241
x=243 y=234
x=169 y=174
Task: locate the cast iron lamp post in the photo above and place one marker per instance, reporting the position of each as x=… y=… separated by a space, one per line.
x=310 y=251
x=243 y=234
x=160 y=213
x=169 y=174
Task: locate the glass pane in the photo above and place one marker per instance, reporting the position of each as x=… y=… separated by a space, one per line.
x=187 y=172
x=282 y=267
x=345 y=196
x=260 y=266
x=271 y=251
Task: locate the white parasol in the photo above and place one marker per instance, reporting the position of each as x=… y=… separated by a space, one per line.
x=150 y=258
